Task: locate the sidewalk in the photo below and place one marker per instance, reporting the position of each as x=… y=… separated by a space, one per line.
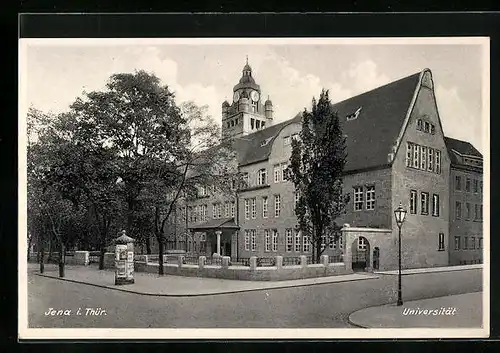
x=454 y=311
x=180 y=286
x=415 y=271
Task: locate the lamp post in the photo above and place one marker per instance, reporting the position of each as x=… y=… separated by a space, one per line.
x=400 y=215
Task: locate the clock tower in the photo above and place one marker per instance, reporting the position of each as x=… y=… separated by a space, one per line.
x=246 y=114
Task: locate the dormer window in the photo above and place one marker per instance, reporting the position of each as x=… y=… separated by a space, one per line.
x=286 y=140
x=354 y=115
x=266 y=141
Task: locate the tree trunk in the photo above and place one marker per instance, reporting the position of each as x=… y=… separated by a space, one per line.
x=130 y=216
x=102 y=251
x=49 y=258
x=318 y=252
x=160 y=256
x=159 y=239
x=148 y=244
x=42 y=265
x=62 y=251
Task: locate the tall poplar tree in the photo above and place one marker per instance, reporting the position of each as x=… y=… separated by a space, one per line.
x=316 y=169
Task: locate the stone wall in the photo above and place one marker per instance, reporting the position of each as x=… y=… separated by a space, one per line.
x=248 y=273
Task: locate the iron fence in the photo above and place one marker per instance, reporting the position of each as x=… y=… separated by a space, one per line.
x=266 y=261
x=291 y=261
x=242 y=261
x=335 y=258
x=191 y=260
x=213 y=261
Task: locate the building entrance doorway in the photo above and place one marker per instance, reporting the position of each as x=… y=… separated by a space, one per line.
x=360 y=254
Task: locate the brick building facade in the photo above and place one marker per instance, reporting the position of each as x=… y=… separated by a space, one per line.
x=397 y=152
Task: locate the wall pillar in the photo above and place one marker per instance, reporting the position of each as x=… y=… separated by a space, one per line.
x=218 y=233
x=347 y=237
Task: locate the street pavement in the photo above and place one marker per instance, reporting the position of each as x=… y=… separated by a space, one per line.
x=325 y=305
x=177 y=286
x=457 y=311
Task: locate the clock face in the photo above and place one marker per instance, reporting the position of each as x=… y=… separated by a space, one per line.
x=236 y=96
x=255 y=96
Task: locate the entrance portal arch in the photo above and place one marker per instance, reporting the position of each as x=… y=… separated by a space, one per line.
x=360 y=254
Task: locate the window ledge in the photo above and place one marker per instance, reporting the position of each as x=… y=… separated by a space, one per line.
x=258 y=187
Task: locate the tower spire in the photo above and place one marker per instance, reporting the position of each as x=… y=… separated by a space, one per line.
x=247 y=59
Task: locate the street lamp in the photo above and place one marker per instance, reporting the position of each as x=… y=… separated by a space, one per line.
x=400 y=215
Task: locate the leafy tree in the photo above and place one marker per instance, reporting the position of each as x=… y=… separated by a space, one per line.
x=205 y=161
x=316 y=169
x=53 y=212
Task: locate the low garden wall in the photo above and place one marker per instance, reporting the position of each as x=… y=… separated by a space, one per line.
x=222 y=269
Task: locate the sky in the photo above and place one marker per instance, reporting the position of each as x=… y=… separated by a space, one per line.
x=56 y=73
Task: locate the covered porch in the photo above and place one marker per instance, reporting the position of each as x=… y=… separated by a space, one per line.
x=220 y=236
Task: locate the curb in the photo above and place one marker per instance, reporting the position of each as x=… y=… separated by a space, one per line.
x=200 y=294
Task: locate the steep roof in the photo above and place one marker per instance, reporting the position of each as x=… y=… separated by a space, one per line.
x=370 y=136
x=257 y=146
x=462 y=147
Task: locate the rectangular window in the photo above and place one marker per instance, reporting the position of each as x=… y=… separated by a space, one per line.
x=296 y=197
x=468 y=210
x=190 y=211
x=424 y=203
x=323 y=242
x=481 y=212
x=423 y=158
x=297 y=241
x=426 y=127
x=247 y=208
x=409 y=154
x=472 y=243
x=233 y=206
x=441 y=242
x=362 y=244
x=433 y=129
x=277 y=205
x=247 y=240
x=205 y=207
x=286 y=140
x=467 y=185
x=438 y=162
x=246 y=180
x=370 y=197
x=226 y=210
x=416 y=156
x=458 y=210
x=285 y=172
x=306 y=243
x=476 y=212
x=430 y=159
x=457 y=243
x=265 y=212
x=435 y=205
x=254 y=208
x=267 y=237
x=458 y=183
x=466 y=241
x=331 y=244
x=219 y=210
x=262 y=177
x=289 y=240
x=275 y=240
x=480 y=246
x=277 y=173
x=413 y=201
x=253 y=233
x=476 y=186
x=358 y=198
x=419 y=125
